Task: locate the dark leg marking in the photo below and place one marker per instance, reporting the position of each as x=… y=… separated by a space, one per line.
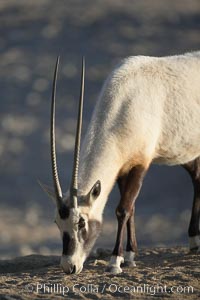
x=193 y=169
x=131 y=236
x=129 y=188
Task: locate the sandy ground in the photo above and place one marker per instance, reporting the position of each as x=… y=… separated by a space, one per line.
x=170 y=273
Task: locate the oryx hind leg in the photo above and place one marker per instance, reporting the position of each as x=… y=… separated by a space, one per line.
x=193 y=169
x=129 y=186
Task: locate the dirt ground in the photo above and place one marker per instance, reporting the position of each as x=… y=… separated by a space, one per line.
x=160 y=273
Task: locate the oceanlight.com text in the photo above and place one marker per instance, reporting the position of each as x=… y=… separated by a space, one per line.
x=112 y=288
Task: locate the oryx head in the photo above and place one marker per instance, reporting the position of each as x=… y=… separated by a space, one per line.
x=78 y=230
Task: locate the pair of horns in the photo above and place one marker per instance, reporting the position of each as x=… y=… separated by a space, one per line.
x=74 y=180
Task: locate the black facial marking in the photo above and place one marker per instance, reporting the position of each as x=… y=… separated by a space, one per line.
x=94 y=228
x=64 y=212
x=81 y=223
x=68 y=244
x=96 y=190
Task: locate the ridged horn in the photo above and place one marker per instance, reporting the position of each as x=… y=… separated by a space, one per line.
x=56 y=181
x=74 y=182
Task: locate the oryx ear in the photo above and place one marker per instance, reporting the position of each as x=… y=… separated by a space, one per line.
x=49 y=190
x=94 y=192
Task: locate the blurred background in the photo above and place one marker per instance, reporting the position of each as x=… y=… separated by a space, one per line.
x=32 y=34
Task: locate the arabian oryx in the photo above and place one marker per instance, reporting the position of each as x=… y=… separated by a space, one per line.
x=148 y=112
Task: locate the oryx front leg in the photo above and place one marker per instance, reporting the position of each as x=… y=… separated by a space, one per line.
x=129 y=188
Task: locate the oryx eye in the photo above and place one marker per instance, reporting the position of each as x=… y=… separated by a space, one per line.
x=81 y=223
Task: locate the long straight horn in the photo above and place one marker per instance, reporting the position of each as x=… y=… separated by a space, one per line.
x=53 y=142
x=74 y=182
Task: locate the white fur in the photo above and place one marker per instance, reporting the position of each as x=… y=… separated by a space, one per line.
x=67 y=261
x=148 y=111
x=130 y=257
x=115 y=263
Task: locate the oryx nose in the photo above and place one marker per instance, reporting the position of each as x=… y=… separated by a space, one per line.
x=73 y=270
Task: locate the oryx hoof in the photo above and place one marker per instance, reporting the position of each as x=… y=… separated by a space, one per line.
x=129 y=259
x=129 y=263
x=114 y=264
x=114 y=269
x=195 y=250
x=194 y=244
